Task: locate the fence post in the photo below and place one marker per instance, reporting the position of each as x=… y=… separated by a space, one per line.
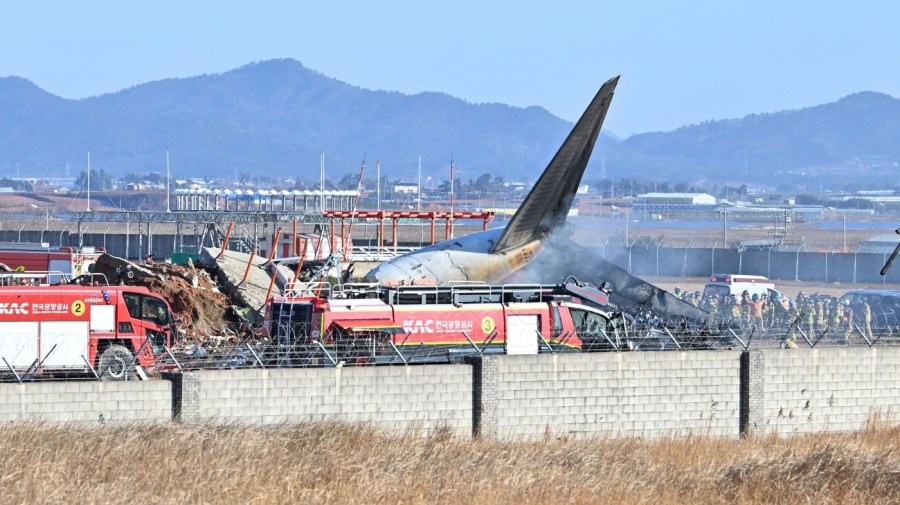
x=485 y=397
x=629 y=256
x=684 y=261
x=752 y=391
x=657 y=257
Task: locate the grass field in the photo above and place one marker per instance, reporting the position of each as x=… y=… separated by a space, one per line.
x=342 y=464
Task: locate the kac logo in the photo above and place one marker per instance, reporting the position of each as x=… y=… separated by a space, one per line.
x=14 y=308
x=418 y=326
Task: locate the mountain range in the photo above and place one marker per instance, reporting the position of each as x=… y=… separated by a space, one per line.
x=276 y=117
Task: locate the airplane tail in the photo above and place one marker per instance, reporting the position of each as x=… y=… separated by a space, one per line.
x=549 y=201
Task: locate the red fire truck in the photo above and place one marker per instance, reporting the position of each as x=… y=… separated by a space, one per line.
x=370 y=323
x=64 y=261
x=68 y=328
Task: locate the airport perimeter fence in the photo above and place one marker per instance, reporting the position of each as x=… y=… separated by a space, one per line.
x=798 y=264
x=643 y=256
x=130 y=246
x=696 y=259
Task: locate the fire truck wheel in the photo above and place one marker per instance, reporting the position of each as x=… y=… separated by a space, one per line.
x=116 y=363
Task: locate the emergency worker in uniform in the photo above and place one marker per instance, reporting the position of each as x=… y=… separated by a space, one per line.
x=837 y=318
x=810 y=316
x=736 y=310
x=848 y=319
x=866 y=310
x=695 y=300
x=780 y=308
x=792 y=320
x=745 y=308
x=821 y=315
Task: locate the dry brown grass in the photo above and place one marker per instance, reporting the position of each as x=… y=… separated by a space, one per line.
x=321 y=463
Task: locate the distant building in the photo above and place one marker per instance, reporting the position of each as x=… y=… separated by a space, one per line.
x=517 y=186
x=651 y=206
x=876 y=192
x=879 y=244
x=885 y=202
x=676 y=199
x=406 y=188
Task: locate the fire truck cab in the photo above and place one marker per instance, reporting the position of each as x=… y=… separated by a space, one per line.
x=359 y=322
x=107 y=330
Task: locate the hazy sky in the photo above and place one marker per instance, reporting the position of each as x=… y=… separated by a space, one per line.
x=681 y=62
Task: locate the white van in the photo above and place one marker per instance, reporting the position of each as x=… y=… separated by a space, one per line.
x=722 y=285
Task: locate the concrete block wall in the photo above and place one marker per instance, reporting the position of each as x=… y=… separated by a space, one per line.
x=830 y=389
x=87 y=403
x=391 y=398
x=648 y=394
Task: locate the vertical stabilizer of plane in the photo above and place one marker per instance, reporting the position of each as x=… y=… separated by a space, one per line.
x=493 y=255
x=549 y=201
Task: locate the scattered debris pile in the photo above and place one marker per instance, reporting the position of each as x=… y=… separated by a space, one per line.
x=248 y=279
x=193 y=293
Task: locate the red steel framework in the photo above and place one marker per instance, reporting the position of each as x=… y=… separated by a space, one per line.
x=396 y=215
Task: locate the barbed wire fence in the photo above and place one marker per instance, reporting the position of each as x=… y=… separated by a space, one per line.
x=291 y=345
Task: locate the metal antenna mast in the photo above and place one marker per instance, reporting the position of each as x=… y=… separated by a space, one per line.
x=451 y=195
x=419 y=186
x=322 y=181
x=89 y=183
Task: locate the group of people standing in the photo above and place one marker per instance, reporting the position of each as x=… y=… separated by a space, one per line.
x=775 y=314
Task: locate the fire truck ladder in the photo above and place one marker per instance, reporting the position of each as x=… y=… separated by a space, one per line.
x=294 y=346
x=285 y=333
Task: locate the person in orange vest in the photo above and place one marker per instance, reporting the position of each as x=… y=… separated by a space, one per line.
x=756 y=313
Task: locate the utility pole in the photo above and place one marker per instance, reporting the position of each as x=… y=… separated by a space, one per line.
x=168 y=209
x=451 y=196
x=378 y=185
x=844 y=214
x=725 y=226
x=419 y=186
x=322 y=182
x=89 y=183
x=626 y=228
